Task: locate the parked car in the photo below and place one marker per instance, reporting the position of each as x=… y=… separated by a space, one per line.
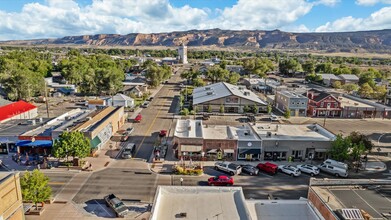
x=228 y=167
x=221 y=181
x=251 y=118
x=145 y=104
x=130 y=130
x=333 y=170
x=129 y=151
x=289 y=169
x=273 y=117
x=250 y=169
x=138 y=118
x=267 y=167
x=336 y=163
x=125 y=136
x=117 y=205
x=162 y=133
x=309 y=169
x=150 y=98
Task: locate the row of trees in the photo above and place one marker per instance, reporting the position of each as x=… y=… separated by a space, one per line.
x=95 y=74
x=22 y=73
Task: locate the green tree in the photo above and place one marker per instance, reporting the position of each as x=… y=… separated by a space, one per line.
x=185 y=112
x=350 y=87
x=222 y=109
x=287 y=113
x=233 y=78
x=324 y=68
x=73 y=144
x=255 y=109
x=246 y=109
x=35 y=187
x=258 y=66
x=269 y=108
x=337 y=84
x=217 y=74
x=309 y=67
x=365 y=90
x=198 y=82
x=357 y=138
x=289 y=66
x=210 y=109
x=380 y=92
x=340 y=148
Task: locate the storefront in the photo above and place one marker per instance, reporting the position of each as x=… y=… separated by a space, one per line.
x=249 y=150
x=275 y=155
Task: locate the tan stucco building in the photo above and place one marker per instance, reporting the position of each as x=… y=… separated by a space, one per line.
x=11 y=206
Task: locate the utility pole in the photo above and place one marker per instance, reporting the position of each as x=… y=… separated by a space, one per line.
x=46 y=100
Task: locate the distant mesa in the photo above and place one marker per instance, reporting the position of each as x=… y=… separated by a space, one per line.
x=361 y=41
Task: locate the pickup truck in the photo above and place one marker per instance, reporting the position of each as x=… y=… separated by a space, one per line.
x=228 y=167
x=117 y=205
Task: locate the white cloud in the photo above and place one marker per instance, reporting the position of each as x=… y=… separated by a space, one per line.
x=262 y=14
x=372 y=2
x=58 y=18
x=378 y=20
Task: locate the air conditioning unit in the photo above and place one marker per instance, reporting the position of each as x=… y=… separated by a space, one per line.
x=209 y=93
x=207 y=88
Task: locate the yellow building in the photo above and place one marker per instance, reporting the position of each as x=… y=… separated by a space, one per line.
x=11 y=206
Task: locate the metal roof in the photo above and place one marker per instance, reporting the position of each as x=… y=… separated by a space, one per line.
x=15 y=108
x=348 y=76
x=221 y=90
x=329 y=76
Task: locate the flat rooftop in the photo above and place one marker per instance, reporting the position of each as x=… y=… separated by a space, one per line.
x=46 y=129
x=291 y=94
x=188 y=129
x=346 y=102
x=306 y=132
x=372 y=196
x=199 y=203
x=217 y=132
x=292 y=210
x=17 y=127
x=243 y=132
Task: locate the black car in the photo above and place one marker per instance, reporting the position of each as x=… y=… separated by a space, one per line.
x=250 y=169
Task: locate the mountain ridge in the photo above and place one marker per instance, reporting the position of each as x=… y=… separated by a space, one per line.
x=370 y=41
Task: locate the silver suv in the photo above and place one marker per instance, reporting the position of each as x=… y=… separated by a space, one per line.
x=333 y=170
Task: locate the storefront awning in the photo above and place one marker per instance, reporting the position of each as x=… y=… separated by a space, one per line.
x=321 y=150
x=191 y=148
x=38 y=143
x=229 y=151
x=250 y=151
x=95 y=142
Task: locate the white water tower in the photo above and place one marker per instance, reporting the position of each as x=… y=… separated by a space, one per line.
x=182 y=52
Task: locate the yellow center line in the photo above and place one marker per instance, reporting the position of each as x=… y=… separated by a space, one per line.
x=151 y=125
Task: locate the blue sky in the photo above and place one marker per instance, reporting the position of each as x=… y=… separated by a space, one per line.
x=32 y=19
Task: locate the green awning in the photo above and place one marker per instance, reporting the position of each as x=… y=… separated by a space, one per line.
x=95 y=142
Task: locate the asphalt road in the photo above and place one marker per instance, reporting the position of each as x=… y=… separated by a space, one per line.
x=158 y=116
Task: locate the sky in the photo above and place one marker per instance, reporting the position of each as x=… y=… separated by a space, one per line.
x=35 y=19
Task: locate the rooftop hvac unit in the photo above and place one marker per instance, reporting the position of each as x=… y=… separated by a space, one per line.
x=209 y=93
x=207 y=88
x=268 y=134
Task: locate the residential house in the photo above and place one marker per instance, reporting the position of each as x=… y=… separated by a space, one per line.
x=235 y=68
x=296 y=103
x=329 y=79
x=348 y=78
x=322 y=104
x=121 y=100
x=233 y=99
x=136 y=91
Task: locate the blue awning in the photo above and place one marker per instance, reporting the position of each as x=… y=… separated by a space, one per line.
x=38 y=143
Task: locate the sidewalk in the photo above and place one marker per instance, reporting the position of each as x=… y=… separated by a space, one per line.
x=374 y=165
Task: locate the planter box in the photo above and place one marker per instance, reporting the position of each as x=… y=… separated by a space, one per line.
x=33 y=211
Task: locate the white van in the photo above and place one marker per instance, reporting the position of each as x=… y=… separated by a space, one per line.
x=336 y=163
x=333 y=170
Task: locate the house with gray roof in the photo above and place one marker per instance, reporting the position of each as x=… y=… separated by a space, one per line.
x=234 y=99
x=348 y=78
x=329 y=79
x=121 y=100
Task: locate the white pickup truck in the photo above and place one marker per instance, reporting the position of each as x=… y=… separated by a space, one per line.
x=231 y=168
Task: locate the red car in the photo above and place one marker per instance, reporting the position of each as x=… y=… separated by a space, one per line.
x=163 y=133
x=138 y=118
x=221 y=181
x=267 y=167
